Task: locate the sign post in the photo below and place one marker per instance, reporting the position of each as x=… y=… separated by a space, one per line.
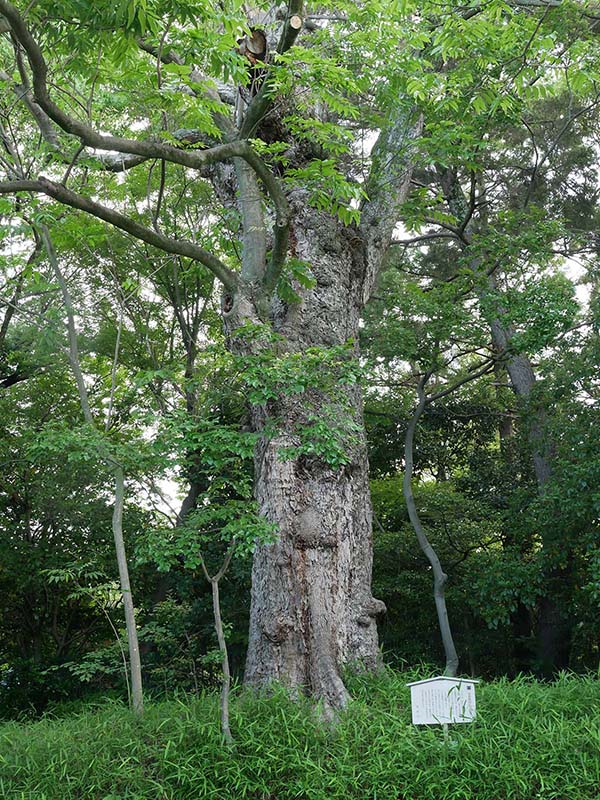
x=442 y=701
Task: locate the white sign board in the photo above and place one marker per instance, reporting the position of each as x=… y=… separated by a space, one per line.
x=442 y=701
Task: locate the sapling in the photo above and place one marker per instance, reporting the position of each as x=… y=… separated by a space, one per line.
x=214 y=581
x=439 y=576
x=117 y=470
x=217 y=457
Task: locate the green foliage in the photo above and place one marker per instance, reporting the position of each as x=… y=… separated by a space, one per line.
x=503 y=90
x=540 y=312
x=501 y=581
x=466 y=534
x=178 y=658
x=317 y=382
x=271 y=372
x=530 y=742
x=328 y=189
x=57 y=570
x=327 y=436
x=220 y=457
x=295 y=272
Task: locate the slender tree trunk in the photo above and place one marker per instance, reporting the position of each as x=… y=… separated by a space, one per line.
x=117 y=520
x=522 y=379
x=214 y=581
x=226 y=679
x=135 y=665
x=439 y=576
x=554 y=630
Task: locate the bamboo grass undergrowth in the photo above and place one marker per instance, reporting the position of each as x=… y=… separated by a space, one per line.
x=531 y=741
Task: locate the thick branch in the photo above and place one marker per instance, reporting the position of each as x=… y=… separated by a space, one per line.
x=282 y=222
x=251 y=205
x=14 y=378
x=195 y=159
x=124 y=223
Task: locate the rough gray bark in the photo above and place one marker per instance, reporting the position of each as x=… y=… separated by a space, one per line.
x=312 y=610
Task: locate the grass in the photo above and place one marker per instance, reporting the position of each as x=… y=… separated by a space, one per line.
x=531 y=741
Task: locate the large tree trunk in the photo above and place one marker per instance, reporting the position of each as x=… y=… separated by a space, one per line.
x=312 y=610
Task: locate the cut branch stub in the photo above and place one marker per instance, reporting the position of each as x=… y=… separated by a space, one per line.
x=296 y=22
x=254 y=46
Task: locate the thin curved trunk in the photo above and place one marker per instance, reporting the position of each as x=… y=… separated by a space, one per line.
x=439 y=576
x=226 y=681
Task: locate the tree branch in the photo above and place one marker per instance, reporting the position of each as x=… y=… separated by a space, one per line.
x=426 y=237
x=472 y=375
x=111 y=162
x=223 y=92
x=69 y=198
x=12 y=305
x=263 y=99
x=195 y=159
